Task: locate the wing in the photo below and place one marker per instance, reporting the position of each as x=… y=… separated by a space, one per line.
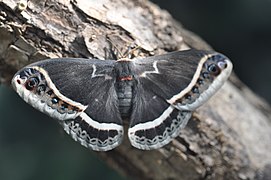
x=80 y=94
x=154 y=122
x=169 y=87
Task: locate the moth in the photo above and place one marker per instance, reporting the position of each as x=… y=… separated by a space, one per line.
x=90 y=98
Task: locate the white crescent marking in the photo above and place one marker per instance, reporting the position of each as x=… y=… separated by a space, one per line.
x=155 y=71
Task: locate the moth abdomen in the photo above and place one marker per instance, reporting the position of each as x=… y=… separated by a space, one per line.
x=124 y=91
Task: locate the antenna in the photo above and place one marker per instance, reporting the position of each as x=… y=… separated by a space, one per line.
x=127 y=54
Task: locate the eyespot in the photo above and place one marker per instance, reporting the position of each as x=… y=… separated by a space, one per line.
x=222 y=64
x=55 y=100
x=205 y=75
x=195 y=90
x=31 y=83
x=213 y=69
x=218 y=57
x=188 y=97
x=50 y=92
x=64 y=106
x=41 y=88
x=200 y=81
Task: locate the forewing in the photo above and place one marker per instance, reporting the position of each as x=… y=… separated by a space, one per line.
x=80 y=94
x=185 y=79
x=168 y=88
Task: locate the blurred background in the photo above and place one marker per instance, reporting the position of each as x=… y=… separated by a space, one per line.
x=33 y=146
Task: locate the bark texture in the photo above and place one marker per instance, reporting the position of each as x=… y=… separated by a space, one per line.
x=227 y=138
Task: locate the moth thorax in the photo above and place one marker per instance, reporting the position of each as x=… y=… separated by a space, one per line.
x=124 y=91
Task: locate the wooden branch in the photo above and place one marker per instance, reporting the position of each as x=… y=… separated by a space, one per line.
x=227 y=138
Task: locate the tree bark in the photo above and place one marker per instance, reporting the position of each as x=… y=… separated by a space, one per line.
x=227 y=138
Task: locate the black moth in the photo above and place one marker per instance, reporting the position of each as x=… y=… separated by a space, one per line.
x=90 y=97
